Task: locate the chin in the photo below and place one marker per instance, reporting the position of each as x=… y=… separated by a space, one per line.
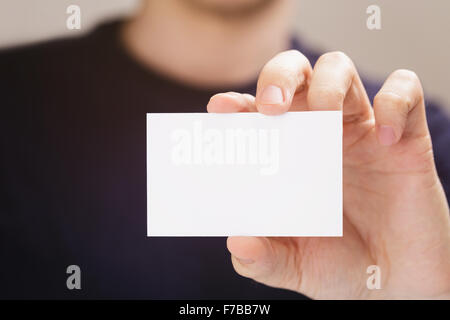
x=230 y=7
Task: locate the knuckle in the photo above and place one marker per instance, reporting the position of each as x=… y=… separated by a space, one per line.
x=402 y=90
x=330 y=93
x=285 y=70
x=339 y=62
x=297 y=55
x=292 y=54
x=249 y=97
x=392 y=99
x=286 y=61
x=274 y=67
x=407 y=75
x=336 y=57
x=410 y=80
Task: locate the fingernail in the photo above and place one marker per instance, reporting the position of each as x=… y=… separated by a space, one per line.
x=386 y=135
x=244 y=261
x=271 y=95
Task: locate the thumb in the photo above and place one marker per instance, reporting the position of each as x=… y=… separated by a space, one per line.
x=271 y=261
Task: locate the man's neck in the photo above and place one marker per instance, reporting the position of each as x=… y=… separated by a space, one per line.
x=206 y=50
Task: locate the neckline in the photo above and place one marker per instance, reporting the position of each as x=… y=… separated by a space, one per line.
x=109 y=31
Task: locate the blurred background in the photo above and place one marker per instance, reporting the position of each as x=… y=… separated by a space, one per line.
x=414 y=33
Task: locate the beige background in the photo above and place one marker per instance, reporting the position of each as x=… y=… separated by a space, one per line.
x=414 y=34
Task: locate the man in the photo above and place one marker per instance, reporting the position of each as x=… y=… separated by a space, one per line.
x=73 y=161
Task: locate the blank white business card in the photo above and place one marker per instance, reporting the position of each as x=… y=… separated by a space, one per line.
x=244 y=174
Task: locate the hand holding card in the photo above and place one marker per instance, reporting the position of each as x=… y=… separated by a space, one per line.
x=395 y=214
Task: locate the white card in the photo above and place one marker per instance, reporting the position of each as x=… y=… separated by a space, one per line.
x=244 y=174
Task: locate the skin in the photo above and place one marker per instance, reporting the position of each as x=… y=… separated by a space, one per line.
x=196 y=43
x=395 y=212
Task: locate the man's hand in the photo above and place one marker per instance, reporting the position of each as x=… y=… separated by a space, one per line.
x=395 y=212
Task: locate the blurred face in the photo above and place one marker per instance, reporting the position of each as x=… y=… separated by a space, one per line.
x=230 y=7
